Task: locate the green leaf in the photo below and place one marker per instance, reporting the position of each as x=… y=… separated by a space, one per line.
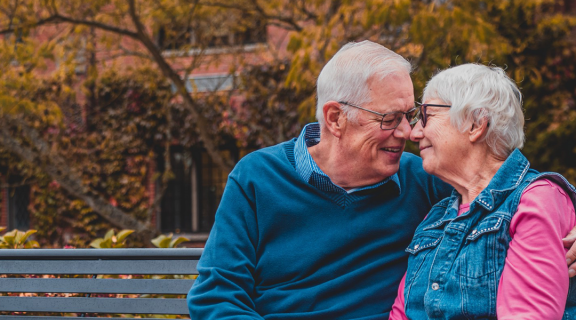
x=158 y=240
x=18 y=237
x=162 y=241
x=177 y=241
x=107 y=243
x=10 y=236
x=97 y=243
x=109 y=234
x=26 y=235
x=123 y=234
x=32 y=244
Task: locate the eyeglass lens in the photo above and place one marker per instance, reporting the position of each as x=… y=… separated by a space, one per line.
x=423 y=110
x=422 y=114
x=393 y=119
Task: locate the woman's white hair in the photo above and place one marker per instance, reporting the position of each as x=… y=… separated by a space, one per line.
x=478 y=92
x=345 y=76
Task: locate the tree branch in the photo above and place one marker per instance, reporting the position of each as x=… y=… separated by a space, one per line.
x=56 y=17
x=142 y=36
x=283 y=22
x=201 y=121
x=130 y=53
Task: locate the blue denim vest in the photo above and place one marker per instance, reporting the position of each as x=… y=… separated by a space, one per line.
x=455 y=263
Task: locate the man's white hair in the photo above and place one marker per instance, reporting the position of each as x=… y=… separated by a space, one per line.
x=345 y=77
x=476 y=91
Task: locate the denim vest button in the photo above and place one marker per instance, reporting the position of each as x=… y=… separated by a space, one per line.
x=435 y=286
x=416 y=247
x=474 y=231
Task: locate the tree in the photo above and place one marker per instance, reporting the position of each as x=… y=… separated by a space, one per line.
x=173 y=38
x=98 y=22
x=533 y=40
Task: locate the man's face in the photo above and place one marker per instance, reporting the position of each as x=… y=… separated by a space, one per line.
x=372 y=152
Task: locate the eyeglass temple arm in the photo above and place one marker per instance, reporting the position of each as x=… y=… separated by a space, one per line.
x=371 y=111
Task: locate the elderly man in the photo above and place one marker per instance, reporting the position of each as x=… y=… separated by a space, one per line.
x=316 y=227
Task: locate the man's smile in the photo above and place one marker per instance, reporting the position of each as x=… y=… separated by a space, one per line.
x=392 y=149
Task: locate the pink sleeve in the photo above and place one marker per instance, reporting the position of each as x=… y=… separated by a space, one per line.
x=397 y=312
x=534 y=282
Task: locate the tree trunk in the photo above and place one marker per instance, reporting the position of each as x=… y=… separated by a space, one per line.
x=58 y=169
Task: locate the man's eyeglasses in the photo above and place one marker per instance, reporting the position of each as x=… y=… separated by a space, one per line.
x=390 y=120
x=422 y=115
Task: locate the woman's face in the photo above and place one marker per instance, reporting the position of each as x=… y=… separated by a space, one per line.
x=441 y=144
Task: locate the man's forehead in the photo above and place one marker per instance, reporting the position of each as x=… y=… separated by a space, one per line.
x=395 y=91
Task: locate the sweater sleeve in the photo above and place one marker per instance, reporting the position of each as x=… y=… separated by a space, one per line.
x=534 y=282
x=224 y=287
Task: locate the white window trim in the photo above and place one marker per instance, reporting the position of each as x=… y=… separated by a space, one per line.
x=214 y=51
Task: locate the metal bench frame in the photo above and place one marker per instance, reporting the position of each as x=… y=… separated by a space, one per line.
x=93 y=262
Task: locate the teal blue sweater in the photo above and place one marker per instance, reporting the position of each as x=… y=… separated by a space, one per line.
x=282 y=249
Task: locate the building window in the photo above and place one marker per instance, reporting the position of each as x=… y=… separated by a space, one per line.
x=210 y=83
x=209 y=36
x=80 y=61
x=213 y=180
x=191 y=199
x=173 y=40
x=18 y=215
x=176 y=207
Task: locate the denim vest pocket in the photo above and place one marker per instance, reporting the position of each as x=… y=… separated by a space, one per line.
x=485 y=248
x=491 y=224
x=480 y=264
x=424 y=240
x=422 y=244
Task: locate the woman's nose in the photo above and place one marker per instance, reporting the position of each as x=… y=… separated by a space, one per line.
x=417 y=132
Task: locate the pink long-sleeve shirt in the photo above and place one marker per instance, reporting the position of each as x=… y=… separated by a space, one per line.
x=534 y=282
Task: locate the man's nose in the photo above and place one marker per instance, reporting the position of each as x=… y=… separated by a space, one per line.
x=404 y=129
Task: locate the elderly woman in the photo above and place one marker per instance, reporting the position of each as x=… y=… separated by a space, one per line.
x=494 y=248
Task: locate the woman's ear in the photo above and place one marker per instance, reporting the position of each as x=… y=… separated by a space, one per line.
x=479 y=129
x=334 y=118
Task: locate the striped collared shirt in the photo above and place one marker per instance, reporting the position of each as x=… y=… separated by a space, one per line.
x=307 y=168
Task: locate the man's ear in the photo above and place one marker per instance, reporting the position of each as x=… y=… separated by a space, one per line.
x=334 y=118
x=479 y=129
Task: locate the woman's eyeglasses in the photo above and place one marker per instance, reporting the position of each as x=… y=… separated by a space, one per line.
x=422 y=115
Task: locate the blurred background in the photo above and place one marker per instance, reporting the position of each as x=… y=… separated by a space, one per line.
x=129 y=115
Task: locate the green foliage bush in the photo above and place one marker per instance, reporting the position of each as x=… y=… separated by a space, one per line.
x=112 y=151
x=17 y=239
x=113 y=240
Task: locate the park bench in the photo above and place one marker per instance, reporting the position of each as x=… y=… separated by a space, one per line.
x=69 y=282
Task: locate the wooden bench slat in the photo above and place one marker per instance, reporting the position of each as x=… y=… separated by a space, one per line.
x=11 y=317
x=182 y=261
x=108 y=254
x=83 y=285
x=95 y=305
x=98 y=267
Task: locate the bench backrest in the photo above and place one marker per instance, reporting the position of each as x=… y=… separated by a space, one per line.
x=76 y=276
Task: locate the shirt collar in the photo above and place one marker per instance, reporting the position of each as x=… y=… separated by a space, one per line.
x=506 y=179
x=307 y=168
